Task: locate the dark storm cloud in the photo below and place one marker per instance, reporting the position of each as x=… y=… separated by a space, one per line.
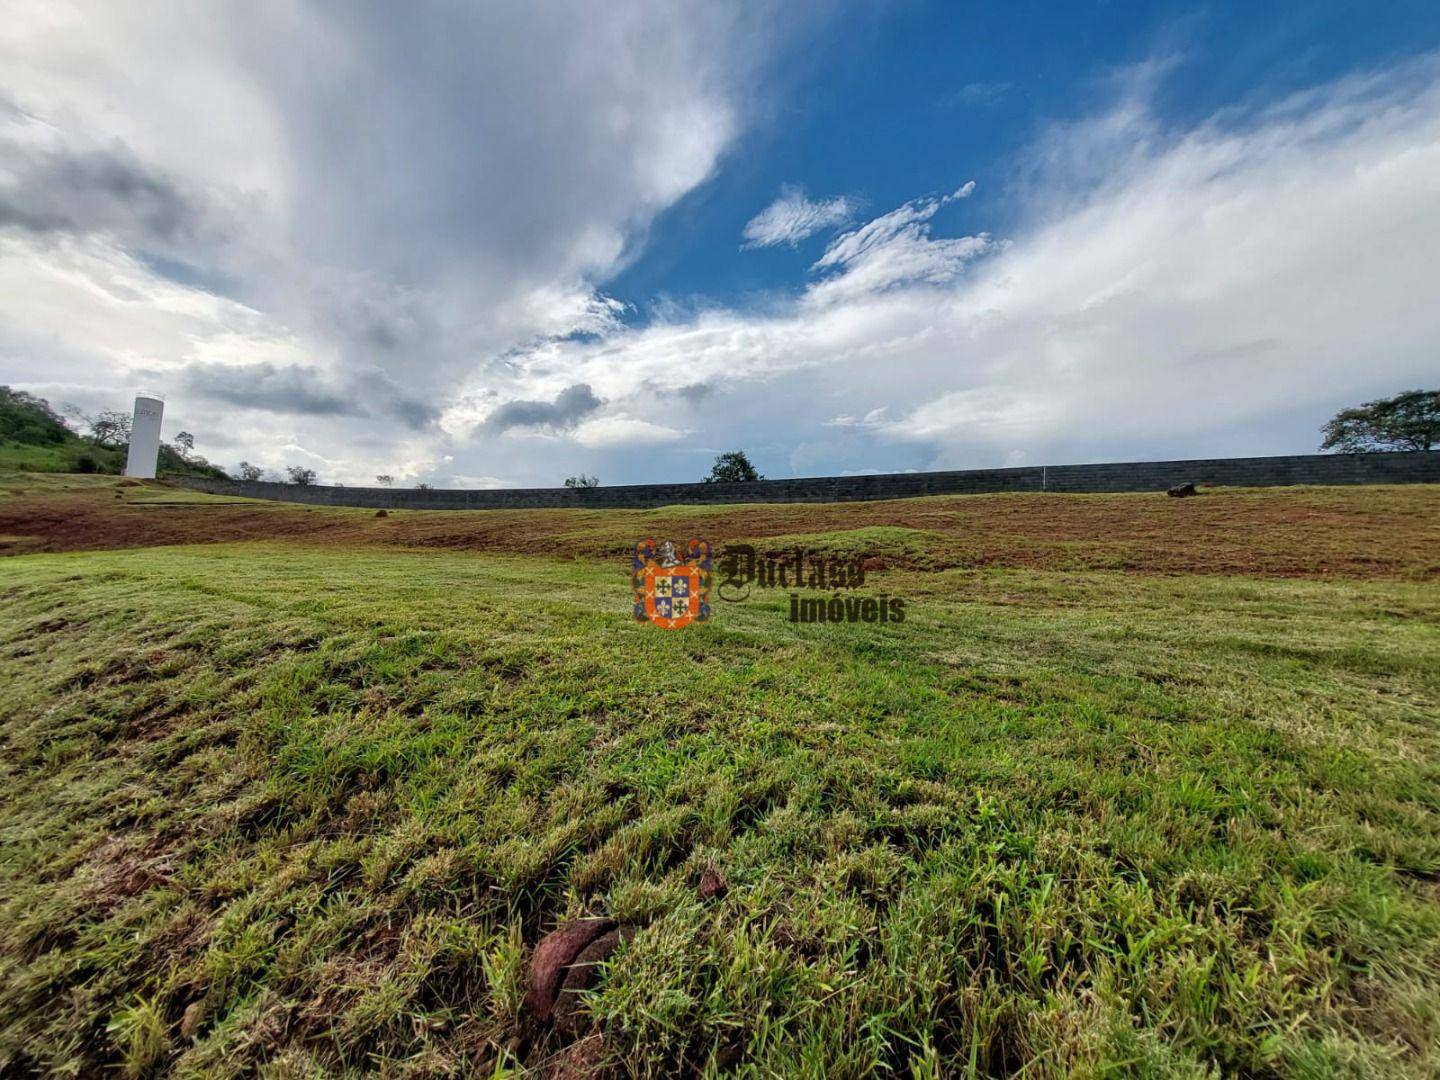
x=100 y=190
x=381 y=395
x=272 y=387
x=695 y=392
x=292 y=389
x=413 y=413
x=570 y=406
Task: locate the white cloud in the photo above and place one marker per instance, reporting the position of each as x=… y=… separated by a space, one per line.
x=978 y=94
x=1223 y=291
x=296 y=448
x=792 y=217
x=291 y=187
x=109 y=314
x=624 y=430
x=479 y=483
x=875 y=418
x=895 y=249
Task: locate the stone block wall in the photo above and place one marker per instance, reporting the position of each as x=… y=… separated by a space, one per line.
x=1396 y=468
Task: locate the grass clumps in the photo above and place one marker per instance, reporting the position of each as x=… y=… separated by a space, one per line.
x=309 y=810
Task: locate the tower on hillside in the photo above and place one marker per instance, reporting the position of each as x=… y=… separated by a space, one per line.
x=145 y=436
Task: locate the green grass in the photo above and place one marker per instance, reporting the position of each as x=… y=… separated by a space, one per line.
x=67 y=457
x=270 y=806
x=878 y=541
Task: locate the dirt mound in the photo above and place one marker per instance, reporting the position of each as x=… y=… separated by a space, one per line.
x=550 y=965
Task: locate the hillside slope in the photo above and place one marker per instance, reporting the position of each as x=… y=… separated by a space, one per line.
x=33 y=438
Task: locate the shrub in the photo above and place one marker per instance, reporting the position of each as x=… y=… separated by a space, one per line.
x=732 y=468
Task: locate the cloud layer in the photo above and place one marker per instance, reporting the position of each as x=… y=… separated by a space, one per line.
x=1222 y=291
x=316 y=257
x=310 y=209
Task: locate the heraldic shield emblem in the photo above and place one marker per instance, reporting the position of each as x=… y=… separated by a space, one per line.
x=672 y=588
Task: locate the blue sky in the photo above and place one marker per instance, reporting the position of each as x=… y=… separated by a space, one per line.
x=497 y=244
x=911 y=97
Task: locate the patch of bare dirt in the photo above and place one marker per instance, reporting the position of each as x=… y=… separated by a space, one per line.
x=122 y=867
x=1354 y=532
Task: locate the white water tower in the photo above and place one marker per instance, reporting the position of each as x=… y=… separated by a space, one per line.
x=145 y=436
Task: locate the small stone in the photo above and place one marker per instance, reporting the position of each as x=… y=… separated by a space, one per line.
x=382 y=513
x=711 y=884
x=1181 y=491
x=192 y=1019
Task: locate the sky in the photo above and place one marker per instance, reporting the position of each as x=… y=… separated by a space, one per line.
x=498 y=244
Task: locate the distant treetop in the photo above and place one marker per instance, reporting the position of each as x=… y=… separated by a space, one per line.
x=732 y=468
x=1407 y=421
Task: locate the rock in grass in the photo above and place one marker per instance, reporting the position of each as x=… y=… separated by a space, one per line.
x=193 y=1018
x=711 y=884
x=568 y=1013
x=382 y=513
x=1181 y=491
x=553 y=955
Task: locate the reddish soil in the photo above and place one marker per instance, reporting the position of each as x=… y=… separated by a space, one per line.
x=1291 y=532
x=550 y=965
x=568 y=1014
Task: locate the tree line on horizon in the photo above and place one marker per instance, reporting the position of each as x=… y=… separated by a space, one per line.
x=34 y=437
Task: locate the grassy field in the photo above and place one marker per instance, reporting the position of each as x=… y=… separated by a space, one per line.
x=1140 y=786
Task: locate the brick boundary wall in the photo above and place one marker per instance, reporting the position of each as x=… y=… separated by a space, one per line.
x=1410 y=467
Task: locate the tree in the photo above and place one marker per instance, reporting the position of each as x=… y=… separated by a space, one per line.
x=582 y=481
x=110 y=429
x=385 y=479
x=1407 y=421
x=423 y=487
x=298 y=474
x=178 y=458
x=246 y=471
x=732 y=468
